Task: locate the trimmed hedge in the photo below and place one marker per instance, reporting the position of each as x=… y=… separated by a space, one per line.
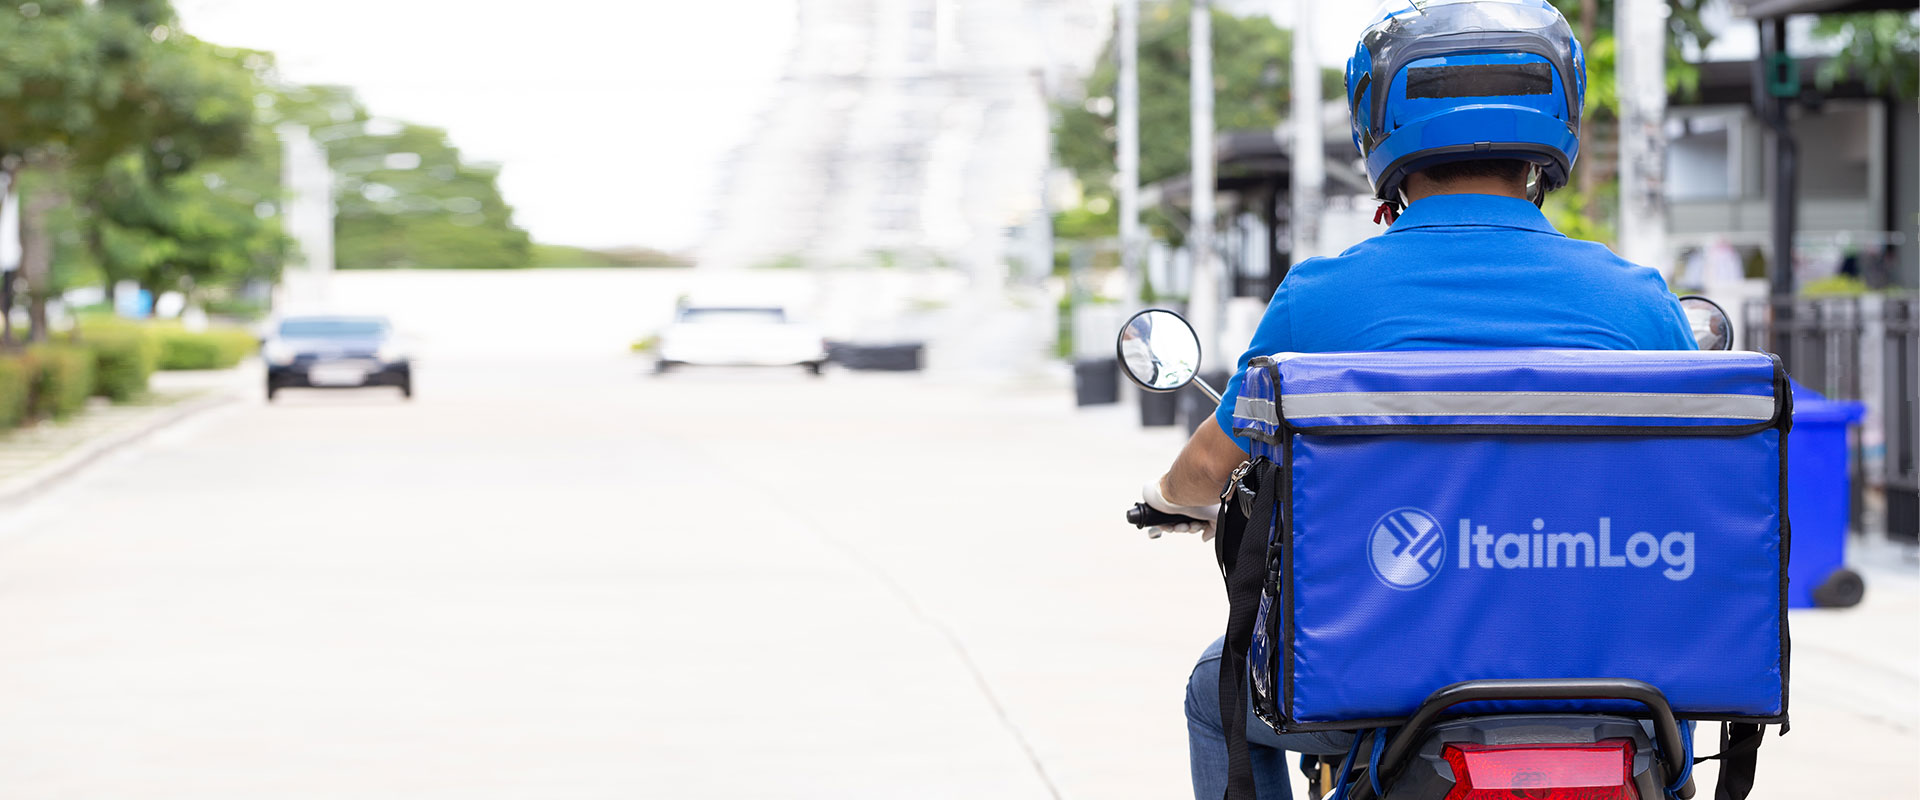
x=106 y=357
x=124 y=357
x=62 y=380
x=214 y=348
x=16 y=389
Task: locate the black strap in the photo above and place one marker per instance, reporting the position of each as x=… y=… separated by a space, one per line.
x=1242 y=551
x=1739 y=759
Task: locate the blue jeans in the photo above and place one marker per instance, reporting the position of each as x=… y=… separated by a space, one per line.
x=1207 y=739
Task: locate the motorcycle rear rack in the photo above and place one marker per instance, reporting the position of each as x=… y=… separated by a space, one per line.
x=1406 y=741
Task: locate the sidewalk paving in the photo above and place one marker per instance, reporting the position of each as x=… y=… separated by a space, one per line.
x=32 y=458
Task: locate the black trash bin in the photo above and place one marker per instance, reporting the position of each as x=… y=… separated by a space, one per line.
x=1096 y=381
x=887 y=357
x=1159 y=409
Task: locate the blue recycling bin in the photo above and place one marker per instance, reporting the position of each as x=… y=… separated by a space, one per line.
x=1819 y=497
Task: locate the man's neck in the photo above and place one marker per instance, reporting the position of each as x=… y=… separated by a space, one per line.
x=1419 y=188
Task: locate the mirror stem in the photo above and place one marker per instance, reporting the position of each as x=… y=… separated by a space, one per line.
x=1207 y=390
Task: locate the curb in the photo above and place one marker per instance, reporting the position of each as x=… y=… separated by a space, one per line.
x=19 y=490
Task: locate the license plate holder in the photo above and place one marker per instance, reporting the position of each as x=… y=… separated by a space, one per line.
x=340 y=373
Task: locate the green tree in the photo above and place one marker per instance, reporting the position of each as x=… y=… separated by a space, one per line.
x=70 y=73
x=1881 y=49
x=194 y=203
x=84 y=85
x=1252 y=65
x=211 y=227
x=406 y=196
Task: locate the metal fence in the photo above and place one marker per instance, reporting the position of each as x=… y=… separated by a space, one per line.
x=1901 y=320
x=1868 y=350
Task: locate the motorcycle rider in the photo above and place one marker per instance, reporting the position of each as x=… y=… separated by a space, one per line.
x=1134 y=348
x=1468 y=113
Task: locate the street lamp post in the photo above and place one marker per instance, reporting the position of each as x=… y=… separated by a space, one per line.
x=1206 y=306
x=1641 y=72
x=1128 y=154
x=1309 y=150
x=308 y=217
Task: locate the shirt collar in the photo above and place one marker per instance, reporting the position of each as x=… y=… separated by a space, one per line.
x=1483 y=210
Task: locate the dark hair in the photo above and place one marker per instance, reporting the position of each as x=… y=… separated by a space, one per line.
x=1503 y=169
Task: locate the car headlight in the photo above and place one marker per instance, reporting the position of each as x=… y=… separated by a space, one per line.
x=278 y=353
x=390 y=353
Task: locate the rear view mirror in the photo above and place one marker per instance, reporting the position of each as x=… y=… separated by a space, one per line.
x=1159 y=350
x=1712 y=328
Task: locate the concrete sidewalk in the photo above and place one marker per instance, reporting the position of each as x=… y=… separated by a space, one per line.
x=33 y=458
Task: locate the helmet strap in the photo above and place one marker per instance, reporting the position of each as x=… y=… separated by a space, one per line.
x=1390 y=210
x=1537 y=185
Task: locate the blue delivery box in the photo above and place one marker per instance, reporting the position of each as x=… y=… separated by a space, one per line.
x=1444 y=516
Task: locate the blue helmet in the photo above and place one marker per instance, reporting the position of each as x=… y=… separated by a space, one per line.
x=1438 y=81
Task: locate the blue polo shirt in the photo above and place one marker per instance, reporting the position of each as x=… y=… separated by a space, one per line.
x=1466 y=271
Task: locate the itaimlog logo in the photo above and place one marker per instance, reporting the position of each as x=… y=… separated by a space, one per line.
x=1539 y=549
x=1408 y=546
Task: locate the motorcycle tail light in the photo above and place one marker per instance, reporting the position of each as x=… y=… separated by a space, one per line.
x=1599 y=771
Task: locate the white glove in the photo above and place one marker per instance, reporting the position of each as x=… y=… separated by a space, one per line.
x=1201 y=516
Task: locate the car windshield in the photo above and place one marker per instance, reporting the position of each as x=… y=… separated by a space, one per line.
x=333 y=328
x=734 y=316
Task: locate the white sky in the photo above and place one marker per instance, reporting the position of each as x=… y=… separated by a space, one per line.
x=609 y=117
x=1336 y=27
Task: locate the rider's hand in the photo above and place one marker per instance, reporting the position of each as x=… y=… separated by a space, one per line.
x=1201 y=516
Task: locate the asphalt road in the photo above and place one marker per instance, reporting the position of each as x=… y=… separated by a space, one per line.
x=567 y=579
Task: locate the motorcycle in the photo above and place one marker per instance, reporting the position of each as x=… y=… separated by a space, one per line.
x=1437 y=756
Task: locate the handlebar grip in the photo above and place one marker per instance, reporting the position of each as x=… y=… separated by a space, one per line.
x=1146 y=516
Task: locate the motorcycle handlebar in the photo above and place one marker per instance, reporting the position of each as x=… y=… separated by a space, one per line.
x=1146 y=516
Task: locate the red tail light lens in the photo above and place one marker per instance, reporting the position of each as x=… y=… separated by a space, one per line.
x=1599 y=771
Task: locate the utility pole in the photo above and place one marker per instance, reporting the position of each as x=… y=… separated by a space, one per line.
x=1776 y=83
x=307 y=179
x=1207 y=304
x=1589 y=174
x=1128 y=189
x=1641 y=71
x=1309 y=148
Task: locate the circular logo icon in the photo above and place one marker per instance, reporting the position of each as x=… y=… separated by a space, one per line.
x=1406 y=548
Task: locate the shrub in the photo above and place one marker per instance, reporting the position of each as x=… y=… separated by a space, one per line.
x=62 y=380
x=214 y=348
x=1834 y=286
x=236 y=308
x=16 y=389
x=123 y=359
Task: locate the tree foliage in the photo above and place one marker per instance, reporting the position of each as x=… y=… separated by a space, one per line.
x=565 y=257
x=1881 y=49
x=1686 y=30
x=195 y=203
x=143 y=154
x=405 y=195
x=1251 y=67
x=69 y=70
